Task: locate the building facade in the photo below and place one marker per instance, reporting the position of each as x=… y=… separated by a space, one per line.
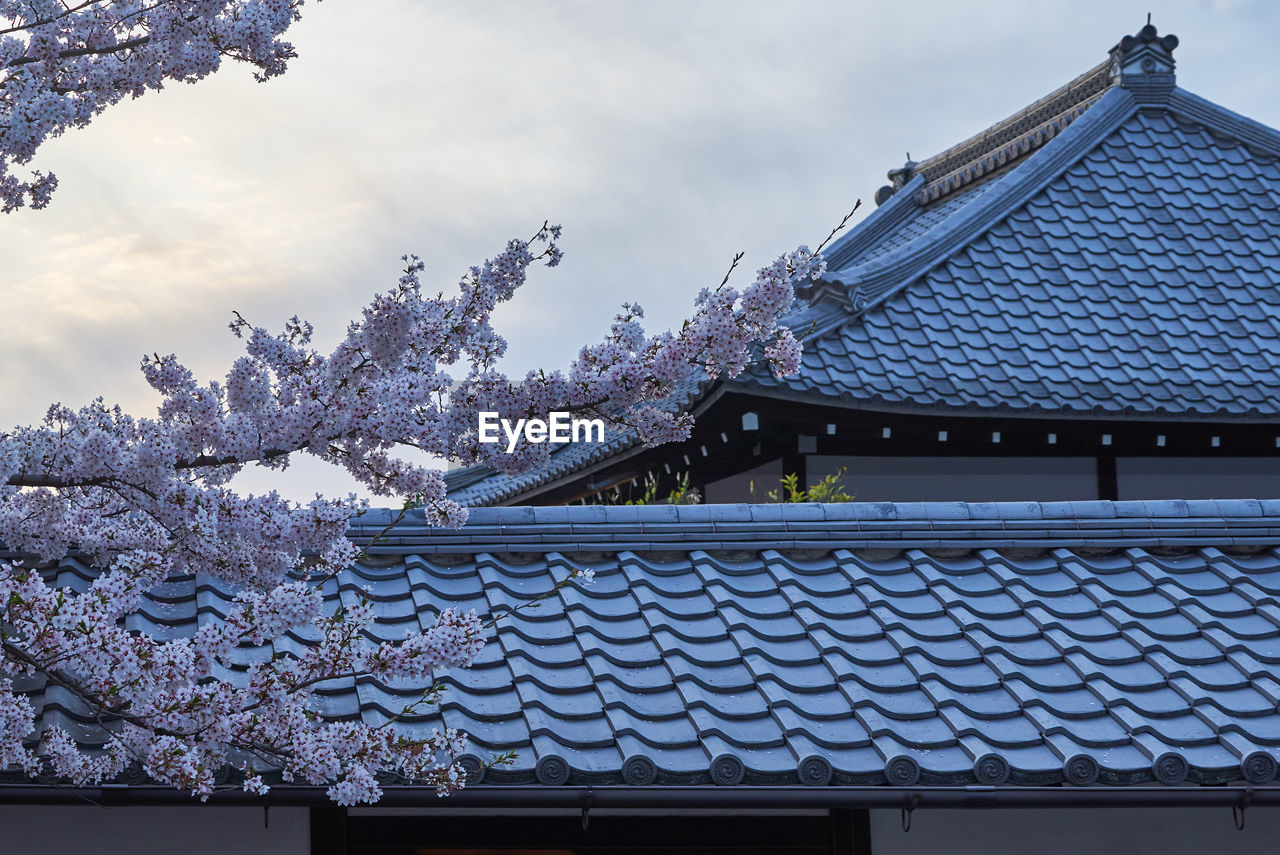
x=999 y=650
x=1080 y=302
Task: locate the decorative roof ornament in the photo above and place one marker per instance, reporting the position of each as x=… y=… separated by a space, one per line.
x=1002 y=145
x=899 y=177
x=858 y=298
x=1144 y=65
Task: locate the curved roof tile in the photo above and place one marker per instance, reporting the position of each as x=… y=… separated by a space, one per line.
x=943 y=644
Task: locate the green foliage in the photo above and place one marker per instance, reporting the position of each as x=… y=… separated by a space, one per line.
x=683 y=494
x=829 y=489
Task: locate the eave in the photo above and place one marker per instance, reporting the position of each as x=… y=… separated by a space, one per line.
x=675 y=797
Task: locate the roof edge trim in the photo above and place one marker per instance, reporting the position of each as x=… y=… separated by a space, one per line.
x=853 y=525
x=1221 y=119
x=880 y=278
x=879 y=224
x=708 y=797
x=713 y=391
x=873 y=402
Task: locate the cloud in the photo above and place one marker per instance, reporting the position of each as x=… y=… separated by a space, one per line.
x=665 y=136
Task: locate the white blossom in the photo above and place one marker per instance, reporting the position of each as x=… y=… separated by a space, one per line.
x=144 y=500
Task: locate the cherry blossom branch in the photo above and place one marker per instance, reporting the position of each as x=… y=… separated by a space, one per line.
x=839 y=226
x=62 y=65
x=67 y=12
x=146 y=500
x=74 y=52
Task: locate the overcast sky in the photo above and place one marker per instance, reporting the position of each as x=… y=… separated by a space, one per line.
x=665 y=136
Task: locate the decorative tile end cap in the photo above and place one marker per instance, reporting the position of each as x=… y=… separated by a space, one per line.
x=1144 y=65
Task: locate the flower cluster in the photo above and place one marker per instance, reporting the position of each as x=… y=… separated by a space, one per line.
x=63 y=64
x=142 y=501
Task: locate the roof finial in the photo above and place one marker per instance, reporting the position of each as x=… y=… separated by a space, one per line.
x=899 y=177
x=1143 y=64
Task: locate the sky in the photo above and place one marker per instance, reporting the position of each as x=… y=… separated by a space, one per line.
x=664 y=136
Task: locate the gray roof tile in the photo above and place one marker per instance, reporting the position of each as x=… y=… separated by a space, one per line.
x=1126 y=268
x=968 y=665
x=1153 y=219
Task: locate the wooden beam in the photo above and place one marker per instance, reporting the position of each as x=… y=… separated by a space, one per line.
x=862 y=433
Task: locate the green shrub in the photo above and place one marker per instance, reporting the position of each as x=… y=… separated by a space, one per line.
x=829 y=489
x=683 y=494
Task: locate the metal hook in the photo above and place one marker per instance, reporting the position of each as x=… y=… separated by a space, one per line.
x=586 y=809
x=1237 y=810
x=909 y=809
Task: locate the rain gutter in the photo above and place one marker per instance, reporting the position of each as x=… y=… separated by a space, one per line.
x=672 y=797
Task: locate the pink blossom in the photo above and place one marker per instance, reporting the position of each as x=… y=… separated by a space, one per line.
x=59 y=68
x=142 y=501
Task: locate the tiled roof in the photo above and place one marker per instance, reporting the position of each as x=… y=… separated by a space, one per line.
x=1019 y=135
x=1131 y=266
x=1113 y=250
x=1001 y=145
x=859 y=644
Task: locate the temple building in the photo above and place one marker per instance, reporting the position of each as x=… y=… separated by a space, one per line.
x=1080 y=302
x=1050 y=363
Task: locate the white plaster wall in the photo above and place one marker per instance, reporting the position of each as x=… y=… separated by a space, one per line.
x=199 y=830
x=1077 y=831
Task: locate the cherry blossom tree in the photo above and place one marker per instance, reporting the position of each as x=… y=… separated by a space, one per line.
x=63 y=62
x=145 y=500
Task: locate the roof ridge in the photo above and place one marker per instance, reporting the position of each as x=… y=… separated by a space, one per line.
x=1228 y=122
x=874 y=281
x=852 y=525
x=1142 y=63
x=1013 y=137
x=882 y=221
